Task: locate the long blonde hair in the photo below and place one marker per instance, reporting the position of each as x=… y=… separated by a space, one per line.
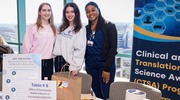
x=50 y=20
x=2 y=41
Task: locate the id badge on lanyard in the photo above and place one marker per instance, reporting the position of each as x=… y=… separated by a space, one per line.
x=90 y=42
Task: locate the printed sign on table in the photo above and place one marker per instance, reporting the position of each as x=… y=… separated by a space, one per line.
x=40 y=90
x=16 y=69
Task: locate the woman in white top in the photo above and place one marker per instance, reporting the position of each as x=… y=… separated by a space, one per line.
x=40 y=38
x=71 y=40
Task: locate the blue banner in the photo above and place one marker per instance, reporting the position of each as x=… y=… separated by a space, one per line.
x=156 y=46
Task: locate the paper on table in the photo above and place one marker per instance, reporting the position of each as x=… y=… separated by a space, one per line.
x=98 y=99
x=87 y=96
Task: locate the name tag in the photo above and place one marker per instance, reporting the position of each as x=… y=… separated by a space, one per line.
x=90 y=43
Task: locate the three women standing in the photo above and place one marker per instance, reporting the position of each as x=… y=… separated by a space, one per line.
x=71 y=43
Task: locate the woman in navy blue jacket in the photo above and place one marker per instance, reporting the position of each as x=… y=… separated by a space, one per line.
x=100 y=50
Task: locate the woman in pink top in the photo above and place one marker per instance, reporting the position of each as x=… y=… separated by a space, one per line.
x=40 y=38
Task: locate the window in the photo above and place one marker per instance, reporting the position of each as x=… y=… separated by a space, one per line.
x=8 y=24
x=119 y=12
x=32 y=10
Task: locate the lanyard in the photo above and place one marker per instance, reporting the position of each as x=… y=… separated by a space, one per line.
x=92 y=35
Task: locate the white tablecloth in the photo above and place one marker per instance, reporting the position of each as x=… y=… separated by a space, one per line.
x=85 y=95
x=89 y=96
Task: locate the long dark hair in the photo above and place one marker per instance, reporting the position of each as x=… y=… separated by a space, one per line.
x=100 y=21
x=77 y=20
x=50 y=20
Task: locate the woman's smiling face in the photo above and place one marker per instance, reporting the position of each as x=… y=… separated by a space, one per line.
x=92 y=13
x=45 y=12
x=70 y=14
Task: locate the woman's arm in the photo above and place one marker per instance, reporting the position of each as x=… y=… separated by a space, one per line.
x=112 y=38
x=28 y=39
x=79 y=48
